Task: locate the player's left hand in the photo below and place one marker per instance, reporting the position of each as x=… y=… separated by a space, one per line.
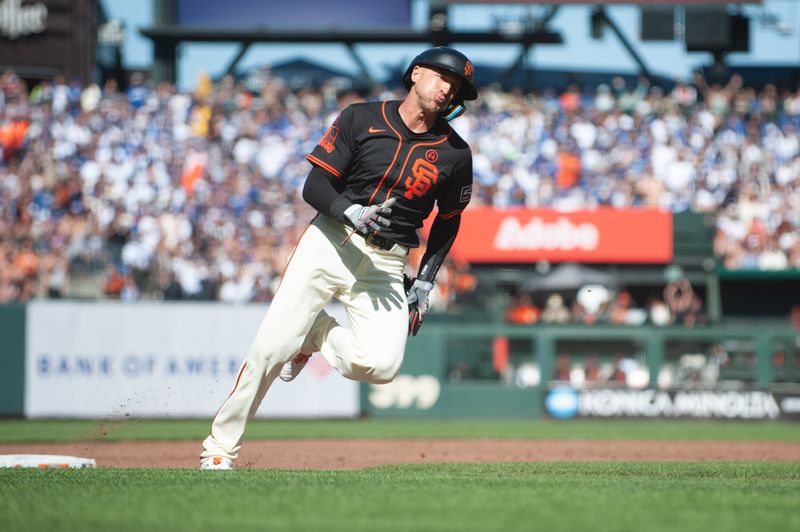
x=417 y=296
x=372 y=218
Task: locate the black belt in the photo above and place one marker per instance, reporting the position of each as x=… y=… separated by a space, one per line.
x=377 y=241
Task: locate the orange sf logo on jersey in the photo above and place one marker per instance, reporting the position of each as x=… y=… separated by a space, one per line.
x=423 y=175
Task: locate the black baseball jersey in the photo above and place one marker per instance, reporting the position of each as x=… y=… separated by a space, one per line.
x=374 y=156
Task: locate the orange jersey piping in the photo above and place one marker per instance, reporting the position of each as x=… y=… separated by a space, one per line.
x=451 y=214
x=322 y=164
x=236 y=385
x=408 y=156
x=399 y=144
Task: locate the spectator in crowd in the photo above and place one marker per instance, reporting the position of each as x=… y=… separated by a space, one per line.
x=794 y=317
x=591 y=369
x=659 y=313
x=684 y=305
x=619 y=375
x=523 y=311
x=623 y=310
x=562 y=371
x=555 y=311
x=113 y=282
x=591 y=304
x=464 y=283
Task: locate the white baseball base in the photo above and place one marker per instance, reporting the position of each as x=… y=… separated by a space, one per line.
x=45 y=461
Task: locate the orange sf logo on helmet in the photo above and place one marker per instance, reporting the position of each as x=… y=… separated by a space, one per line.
x=468 y=68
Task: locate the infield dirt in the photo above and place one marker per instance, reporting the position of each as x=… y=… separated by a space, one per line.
x=355 y=454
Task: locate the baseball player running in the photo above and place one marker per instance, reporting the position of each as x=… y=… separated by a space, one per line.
x=376 y=175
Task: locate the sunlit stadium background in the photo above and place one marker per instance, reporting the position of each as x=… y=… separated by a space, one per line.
x=632 y=248
x=615 y=338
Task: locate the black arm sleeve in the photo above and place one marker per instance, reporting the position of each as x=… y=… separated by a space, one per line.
x=440 y=240
x=320 y=193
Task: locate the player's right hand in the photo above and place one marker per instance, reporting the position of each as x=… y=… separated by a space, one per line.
x=370 y=219
x=417 y=296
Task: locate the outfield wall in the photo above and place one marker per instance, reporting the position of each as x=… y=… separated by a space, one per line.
x=12 y=359
x=90 y=360
x=160 y=359
x=497 y=370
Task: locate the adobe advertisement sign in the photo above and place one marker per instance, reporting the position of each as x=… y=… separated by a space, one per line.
x=598 y=235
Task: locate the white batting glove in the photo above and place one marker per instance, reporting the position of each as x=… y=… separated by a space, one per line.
x=370 y=219
x=417 y=297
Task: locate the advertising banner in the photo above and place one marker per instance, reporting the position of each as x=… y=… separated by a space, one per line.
x=160 y=360
x=639 y=2
x=595 y=236
x=45 y=38
x=306 y=14
x=567 y=402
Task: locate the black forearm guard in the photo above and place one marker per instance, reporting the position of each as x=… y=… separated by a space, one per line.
x=320 y=193
x=440 y=240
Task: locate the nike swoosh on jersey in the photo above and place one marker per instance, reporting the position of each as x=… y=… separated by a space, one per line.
x=373 y=130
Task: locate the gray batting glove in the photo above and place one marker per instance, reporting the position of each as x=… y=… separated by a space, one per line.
x=417 y=297
x=370 y=219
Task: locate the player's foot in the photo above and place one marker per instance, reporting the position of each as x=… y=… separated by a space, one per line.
x=216 y=462
x=292 y=369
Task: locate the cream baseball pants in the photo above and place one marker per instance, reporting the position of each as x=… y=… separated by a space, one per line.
x=369 y=283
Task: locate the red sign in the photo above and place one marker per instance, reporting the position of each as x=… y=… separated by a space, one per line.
x=599 y=235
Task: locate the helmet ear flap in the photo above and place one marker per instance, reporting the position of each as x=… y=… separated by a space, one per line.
x=454 y=112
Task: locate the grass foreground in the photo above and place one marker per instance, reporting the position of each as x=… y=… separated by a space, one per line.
x=564 y=496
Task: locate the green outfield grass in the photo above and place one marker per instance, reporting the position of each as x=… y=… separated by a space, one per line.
x=566 y=496
x=53 y=431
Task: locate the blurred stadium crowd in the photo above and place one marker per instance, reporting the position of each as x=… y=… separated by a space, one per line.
x=154 y=193
x=678 y=304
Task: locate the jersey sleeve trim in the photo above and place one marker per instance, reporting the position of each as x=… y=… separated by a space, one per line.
x=451 y=214
x=322 y=164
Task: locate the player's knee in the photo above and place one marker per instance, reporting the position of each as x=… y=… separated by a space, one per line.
x=384 y=372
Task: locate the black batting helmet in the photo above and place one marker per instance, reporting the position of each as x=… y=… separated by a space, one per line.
x=450 y=60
